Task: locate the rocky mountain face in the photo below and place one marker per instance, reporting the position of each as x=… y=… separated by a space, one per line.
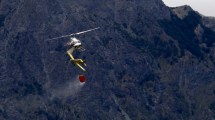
x=209 y=22
x=183 y=11
x=145 y=62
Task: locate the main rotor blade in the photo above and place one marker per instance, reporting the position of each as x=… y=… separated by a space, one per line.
x=86 y=31
x=59 y=37
x=73 y=34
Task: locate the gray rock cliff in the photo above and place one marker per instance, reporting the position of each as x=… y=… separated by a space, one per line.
x=144 y=62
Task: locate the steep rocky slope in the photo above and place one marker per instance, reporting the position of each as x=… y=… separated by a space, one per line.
x=144 y=63
x=209 y=22
x=183 y=11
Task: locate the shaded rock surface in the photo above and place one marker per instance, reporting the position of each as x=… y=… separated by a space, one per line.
x=144 y=63
x=209 y=22
x=183 y=11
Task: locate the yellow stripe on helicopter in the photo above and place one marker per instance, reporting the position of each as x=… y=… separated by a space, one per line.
x=76 y=61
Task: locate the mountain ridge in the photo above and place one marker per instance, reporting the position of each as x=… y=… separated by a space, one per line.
x=143 y=63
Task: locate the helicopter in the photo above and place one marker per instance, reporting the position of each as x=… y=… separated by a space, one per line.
x=75 y=44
